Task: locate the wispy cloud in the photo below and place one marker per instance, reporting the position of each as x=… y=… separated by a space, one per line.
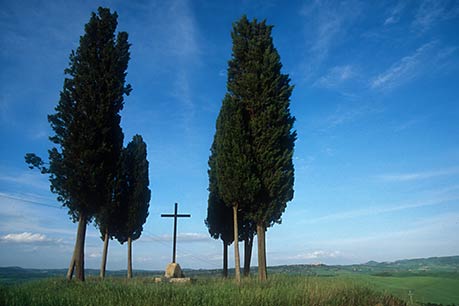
x=430 y=57
x=95 y=254
x=182 y=237
x=33 y=213
x=329 y=21
x=26 y=180
x=336 y=76
x=184 y=44
x=303 y=164
x=414 y=176
x=183 y=39
x=347 y=113
x=404 y=70
x=28 y=238
x=315 y=255
x=428 y=226
x=371 y=211
x=432 y=11
x=395 y=13
x=408 y=124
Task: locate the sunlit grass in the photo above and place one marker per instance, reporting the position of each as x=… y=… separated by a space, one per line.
x=279 y=290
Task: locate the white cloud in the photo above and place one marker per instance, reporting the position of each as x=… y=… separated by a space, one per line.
x=29 y=238
x=95 y=255
x=329 y=22
x=404 y=70
x=395 y=13
x=347 y=113
x=371 y=211
x=27 y=179
x=431 y=226
x=303 y=164
x=182 y=237
x=317 y=254
x=414 y=176
x=183 y=30
x=336 y=76
x=429 y=58
x=432 y=11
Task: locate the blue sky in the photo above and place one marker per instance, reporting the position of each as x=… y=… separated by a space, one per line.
x=376 y=100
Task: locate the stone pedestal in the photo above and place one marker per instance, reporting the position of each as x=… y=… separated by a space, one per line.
x=174 y=274
x=173 y=270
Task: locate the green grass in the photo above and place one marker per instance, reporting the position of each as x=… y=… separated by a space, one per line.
x=424 y=289
x=279 y=290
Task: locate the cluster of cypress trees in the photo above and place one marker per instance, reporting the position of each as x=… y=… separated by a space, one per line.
x=250 y=167
x=251 y=170
x=90 y=171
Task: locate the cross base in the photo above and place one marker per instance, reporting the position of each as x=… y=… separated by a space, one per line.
x=173 y=270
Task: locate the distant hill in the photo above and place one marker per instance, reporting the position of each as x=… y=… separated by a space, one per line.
x=444 y=266
x=421 y=266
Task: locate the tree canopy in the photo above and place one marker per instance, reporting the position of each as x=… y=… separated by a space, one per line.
x=219 y=219
x=255 y=79
x=86 y=124
x=132 y=192
x=254 y=140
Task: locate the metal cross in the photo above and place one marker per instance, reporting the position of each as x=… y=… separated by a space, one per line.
x=175 y=216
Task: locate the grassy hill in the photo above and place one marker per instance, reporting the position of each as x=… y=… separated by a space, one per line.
x=415 y=281
x=278 y=290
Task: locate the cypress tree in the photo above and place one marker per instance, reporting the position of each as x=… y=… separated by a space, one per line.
x=236 y=182
x=219 y=219
x=256 y=81
x=133 y=194
x=248 y=230
x=87 y=135
x=107 y=220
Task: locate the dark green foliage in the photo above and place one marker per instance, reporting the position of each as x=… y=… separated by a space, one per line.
x=133 y=194
x=255 y=81
x=236 y=180
x=219 y=219
x=87 y=133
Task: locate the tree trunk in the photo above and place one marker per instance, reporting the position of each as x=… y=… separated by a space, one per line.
x=237 y=265
x=129 y=267
x=262 y=274
x=103 y=265
x=225 y=259
x=248 y=245
x=71 y=267
x=78 y=252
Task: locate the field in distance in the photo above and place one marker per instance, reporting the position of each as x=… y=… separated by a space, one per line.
x=416 y=281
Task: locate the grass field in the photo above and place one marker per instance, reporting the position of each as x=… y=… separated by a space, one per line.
x=423 y=289
x=432 y=281
x=279 y=290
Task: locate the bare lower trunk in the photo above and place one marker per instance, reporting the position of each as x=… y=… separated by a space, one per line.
x=129 y=267
x=77 y=261
x=248 y=245
x=262 y=274
x=237 y=265
x=225 y=260
x=71 y=267
x=103 y=265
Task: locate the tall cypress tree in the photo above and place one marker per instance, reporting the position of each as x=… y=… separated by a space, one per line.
x=219 y=219
x=87 y=135
x=256 y=81
x=107 y=220
x=133 y=194
x=248 y=230
x=236 y=181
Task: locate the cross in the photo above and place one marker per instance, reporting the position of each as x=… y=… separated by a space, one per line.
x=175 y=216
